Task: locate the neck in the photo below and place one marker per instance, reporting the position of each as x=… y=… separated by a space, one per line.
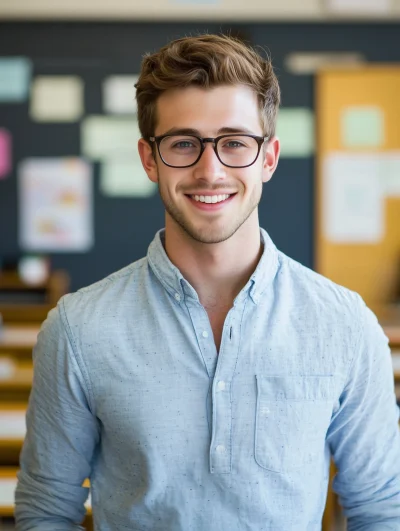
x=216 y=271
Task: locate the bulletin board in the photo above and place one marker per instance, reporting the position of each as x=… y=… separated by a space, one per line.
x=358 y=180
x=120 y=228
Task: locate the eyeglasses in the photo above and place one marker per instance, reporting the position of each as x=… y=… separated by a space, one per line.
x=234 y=151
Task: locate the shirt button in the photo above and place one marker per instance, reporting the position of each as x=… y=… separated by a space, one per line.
x=177 y=297
x=205 y=333
x=220 y=448
x=221 y=386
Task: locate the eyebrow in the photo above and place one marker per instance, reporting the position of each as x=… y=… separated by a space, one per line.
x=196 y=132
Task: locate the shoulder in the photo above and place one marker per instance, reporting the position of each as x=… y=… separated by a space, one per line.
x=319 y=297
x=96 y=300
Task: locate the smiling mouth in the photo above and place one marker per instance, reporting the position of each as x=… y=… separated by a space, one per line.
x=210 y=199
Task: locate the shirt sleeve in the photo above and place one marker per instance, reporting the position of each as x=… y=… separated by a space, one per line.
x=62 y=434
x=364 y=435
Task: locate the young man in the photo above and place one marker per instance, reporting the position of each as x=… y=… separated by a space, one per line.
x=206 y=386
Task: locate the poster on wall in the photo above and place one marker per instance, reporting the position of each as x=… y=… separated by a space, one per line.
x=55 y=205
x=354 y=192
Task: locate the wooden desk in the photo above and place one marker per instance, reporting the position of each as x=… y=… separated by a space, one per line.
x=18 y=339
x=16 y=377
x=389 y=319
x=12 y=431
x=22 y=302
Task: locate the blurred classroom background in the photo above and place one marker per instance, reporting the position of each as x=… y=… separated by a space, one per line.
x=75 y=204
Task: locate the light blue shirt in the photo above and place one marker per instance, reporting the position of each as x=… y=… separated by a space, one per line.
x=130 y=391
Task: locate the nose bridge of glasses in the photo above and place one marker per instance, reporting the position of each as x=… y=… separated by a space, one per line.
x=213 y=142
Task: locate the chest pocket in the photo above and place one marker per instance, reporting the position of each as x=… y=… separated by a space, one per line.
x=292 y=419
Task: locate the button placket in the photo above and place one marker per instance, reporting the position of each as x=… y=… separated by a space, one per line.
x=201 y=326
x=221 y=460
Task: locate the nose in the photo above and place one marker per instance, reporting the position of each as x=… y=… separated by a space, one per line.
x=209 y=166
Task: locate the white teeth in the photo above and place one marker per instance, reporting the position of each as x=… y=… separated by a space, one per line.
x=210 y=198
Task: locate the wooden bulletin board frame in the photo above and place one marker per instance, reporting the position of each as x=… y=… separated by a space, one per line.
x=371 y=269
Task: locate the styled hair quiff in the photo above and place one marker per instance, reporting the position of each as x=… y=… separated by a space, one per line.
x=205 y=61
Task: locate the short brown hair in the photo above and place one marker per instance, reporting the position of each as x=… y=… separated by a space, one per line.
x=206 y=61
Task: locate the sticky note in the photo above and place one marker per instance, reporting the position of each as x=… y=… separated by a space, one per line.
x=5 y=153
x=125 y=178
x=119 y=94
x=353 y=198
x=15 y=75
x=109 y=137
x=295 y=129
x=391 y=173
x=56 y=99
x=306 y=63
x=362 y=126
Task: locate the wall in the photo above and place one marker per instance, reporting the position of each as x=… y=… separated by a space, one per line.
x=124 y=227
x=225 y=10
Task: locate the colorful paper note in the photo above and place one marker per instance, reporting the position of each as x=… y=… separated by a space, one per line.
x=307 y=63
x=56 y=99
x=119 y=94
x=392 y=173
x=362 y=126
x=15 y=74
x=5 y=153
x=295 y=129
x=108 y=137
x=56 y=205
x=353 y=198
x=125 y=178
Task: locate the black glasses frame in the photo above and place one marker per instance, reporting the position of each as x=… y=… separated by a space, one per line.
x=260 y=141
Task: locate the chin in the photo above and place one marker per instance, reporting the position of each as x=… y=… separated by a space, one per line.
x=209 y=236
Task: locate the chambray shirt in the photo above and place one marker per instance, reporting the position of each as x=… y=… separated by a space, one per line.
x=130 y=391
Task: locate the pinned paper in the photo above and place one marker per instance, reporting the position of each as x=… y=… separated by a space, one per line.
x=56 y=99
x=5 y=153
x=109 y=137
x=125 y=178
x=295 y=129
x=56 y=205
x=353 y=200
x=308 y=63
x=391 y=174
x=12 y=424
x=119 y=94
x=362 y=126
x=15 y=75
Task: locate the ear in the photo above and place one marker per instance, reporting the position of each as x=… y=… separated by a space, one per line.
x=271 y=157
x=148 y=161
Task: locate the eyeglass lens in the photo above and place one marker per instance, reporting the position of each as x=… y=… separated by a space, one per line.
x=235 y=150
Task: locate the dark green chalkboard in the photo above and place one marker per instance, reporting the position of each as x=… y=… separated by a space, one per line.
x=124 y=226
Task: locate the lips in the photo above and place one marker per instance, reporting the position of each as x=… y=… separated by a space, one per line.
x=210 y=206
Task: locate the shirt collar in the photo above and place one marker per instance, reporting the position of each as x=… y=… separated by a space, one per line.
x=174 y=282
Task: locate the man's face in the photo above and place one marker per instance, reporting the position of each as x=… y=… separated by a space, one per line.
x=209 y=113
